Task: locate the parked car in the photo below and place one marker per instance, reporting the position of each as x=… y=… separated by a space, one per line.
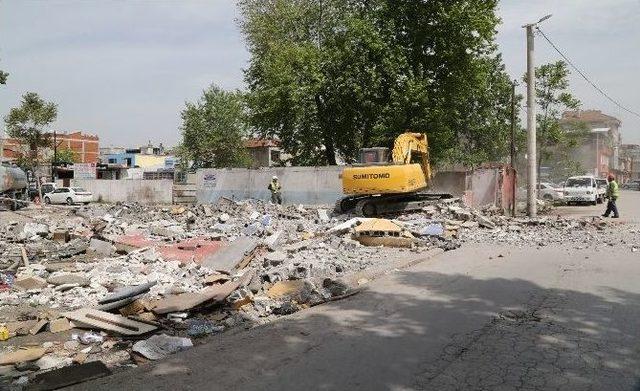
x=48 y=187
x=581 y=189
x=69 y=196
x=548 y=192
x=631 y=185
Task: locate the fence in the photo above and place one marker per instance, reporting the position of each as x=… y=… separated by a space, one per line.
x=129 y=190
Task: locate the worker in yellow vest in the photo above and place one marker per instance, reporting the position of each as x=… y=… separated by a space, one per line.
x=275 y=188
x=612 y=194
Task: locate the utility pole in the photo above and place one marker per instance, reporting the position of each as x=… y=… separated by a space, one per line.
x=55 y=157
x=532 y=207
x=514 y=201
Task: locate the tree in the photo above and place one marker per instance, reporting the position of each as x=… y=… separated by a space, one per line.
x=3 y=77
x=328 y=77
x=214 y=129
x=556 y=139
x=66 y=155
x=28 y=123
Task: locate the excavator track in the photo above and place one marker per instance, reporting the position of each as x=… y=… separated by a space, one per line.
x=389 y=204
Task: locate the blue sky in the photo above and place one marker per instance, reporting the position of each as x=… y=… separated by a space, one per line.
x=123 y=69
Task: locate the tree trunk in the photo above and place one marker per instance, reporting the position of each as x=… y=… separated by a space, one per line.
x=327 y=137
x=329 y=151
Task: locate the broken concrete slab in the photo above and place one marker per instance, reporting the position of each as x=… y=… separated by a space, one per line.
x=101 y=247
x=109 y=322
x=323 y=215
x=67 y=376
x=187 y=301
x=382 y=232
x=347 y=225
x=285 y=288
x=59 y=325
x=38 y=327
x=159 y=346
x=68 y=278
x=228 y=258
x=275 y=258
x=272 y=240
x=31 y=229
x=485 y=222
x=29 y=283
x=300 y=245
x=22 y=355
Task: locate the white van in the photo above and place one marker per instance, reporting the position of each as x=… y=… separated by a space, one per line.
x=581 y=189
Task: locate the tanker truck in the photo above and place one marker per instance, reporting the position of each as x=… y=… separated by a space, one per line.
x=13 y=187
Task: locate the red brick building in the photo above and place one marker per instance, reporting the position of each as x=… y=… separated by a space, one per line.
x=85 y=147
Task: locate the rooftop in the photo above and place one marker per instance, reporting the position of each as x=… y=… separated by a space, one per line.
x=588 y=116
x=261 y=142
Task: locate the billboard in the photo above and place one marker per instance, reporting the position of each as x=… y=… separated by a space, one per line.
x=84 y=171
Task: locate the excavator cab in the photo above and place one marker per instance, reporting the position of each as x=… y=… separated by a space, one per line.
x=376 y=155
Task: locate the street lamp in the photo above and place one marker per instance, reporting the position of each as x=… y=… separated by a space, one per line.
x=531 y=122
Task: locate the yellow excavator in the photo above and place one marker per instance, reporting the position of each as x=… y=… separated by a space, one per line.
x=378 y=186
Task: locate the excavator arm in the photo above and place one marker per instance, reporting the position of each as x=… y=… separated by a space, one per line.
x=408 y=143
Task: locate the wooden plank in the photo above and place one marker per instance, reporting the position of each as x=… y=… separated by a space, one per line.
x=109 y=322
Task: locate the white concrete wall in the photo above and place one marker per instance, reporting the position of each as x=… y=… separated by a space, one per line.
x=134 y=190
x=300 y=185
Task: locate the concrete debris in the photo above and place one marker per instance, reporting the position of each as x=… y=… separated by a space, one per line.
x=30 y=283
x=128 y=269
x=100 y=320
x=159 y=346
x=100 y=247
x=22 y=355
x=323 y=215
x=60 y=325
x=382 y=232
x=68 y=278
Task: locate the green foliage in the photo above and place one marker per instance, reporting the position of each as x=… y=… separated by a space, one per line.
x=29 y=121
x=556 y=139
x=328 y=77
x=66 y=155
x=214 y=129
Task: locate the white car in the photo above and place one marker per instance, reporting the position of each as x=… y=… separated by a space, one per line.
x=581 y=189
x=548 y=192
x=69 y=196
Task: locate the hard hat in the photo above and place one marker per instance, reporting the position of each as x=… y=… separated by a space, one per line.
x=275 y=177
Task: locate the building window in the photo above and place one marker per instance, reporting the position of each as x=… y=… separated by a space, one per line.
x=112 y=160
x=275 y=157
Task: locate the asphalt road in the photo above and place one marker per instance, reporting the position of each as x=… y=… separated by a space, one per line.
x=477 y=318
x=628 y=206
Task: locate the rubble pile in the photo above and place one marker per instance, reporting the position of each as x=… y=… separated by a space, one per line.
x=77 y=284
x=127 y=283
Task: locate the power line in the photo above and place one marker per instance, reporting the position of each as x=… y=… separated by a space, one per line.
x=615 y=102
